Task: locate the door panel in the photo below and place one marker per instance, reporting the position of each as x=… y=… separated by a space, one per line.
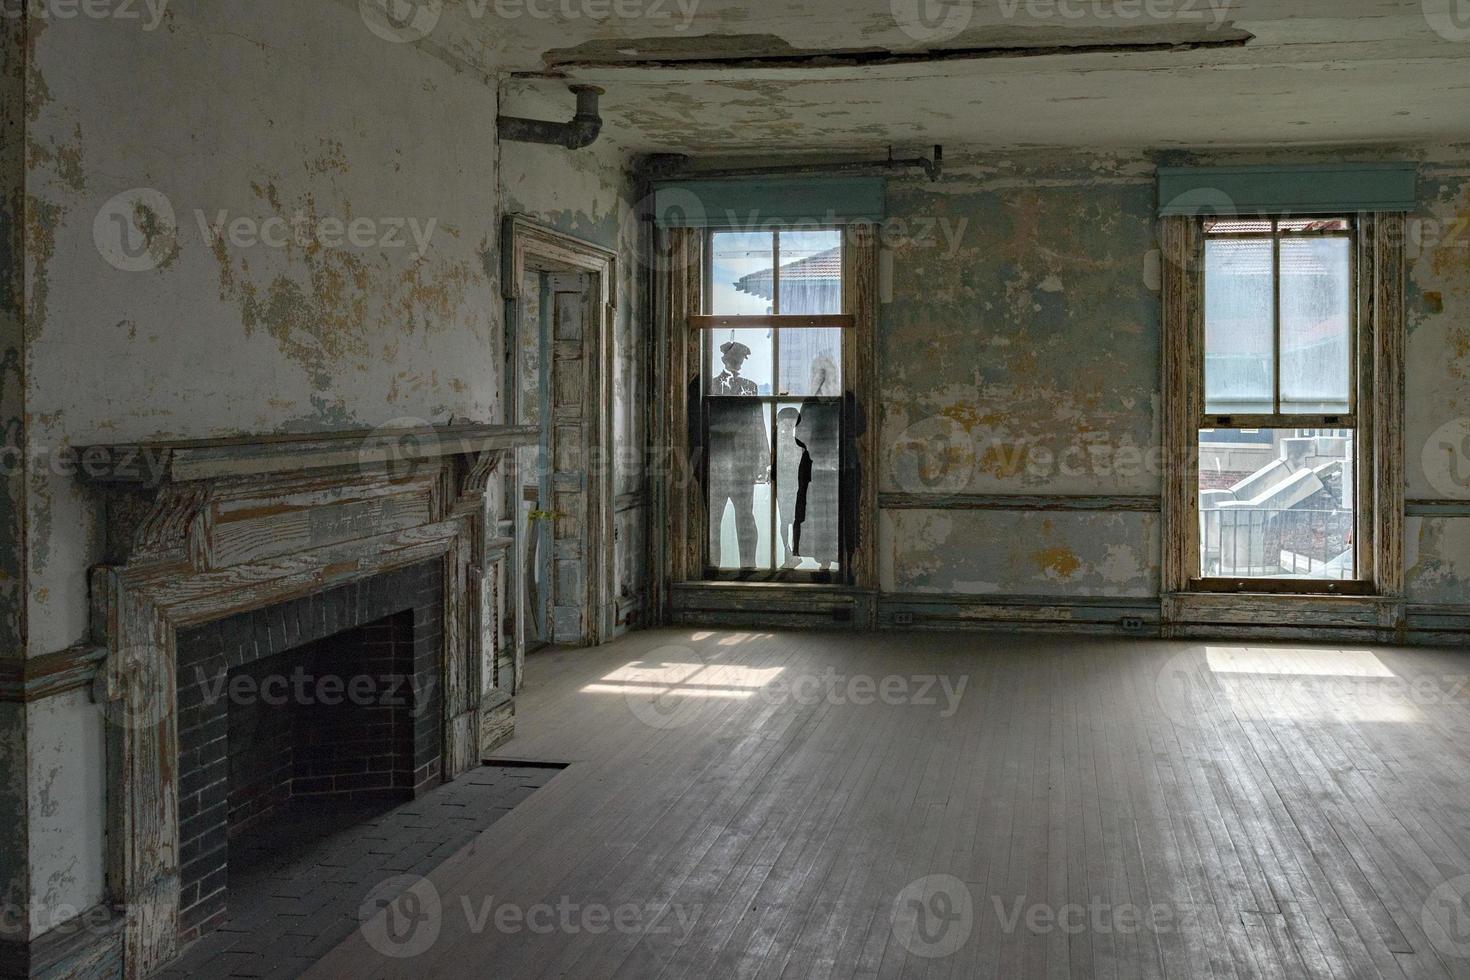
x=569 y=310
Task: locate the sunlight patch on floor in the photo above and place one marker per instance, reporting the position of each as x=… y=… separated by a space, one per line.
x=1295 y=661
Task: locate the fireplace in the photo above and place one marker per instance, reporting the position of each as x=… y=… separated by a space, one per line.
x=334 y=695
x=239 y=566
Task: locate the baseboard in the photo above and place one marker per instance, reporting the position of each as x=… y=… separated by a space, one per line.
x=1221 y=616
x=771 y=606
x=1106 y=615
x=1437 y=624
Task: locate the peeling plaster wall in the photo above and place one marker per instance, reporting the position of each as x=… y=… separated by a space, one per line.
x=1019 y=346
x=67 y=812
x=226 y=335
x=353 y=281
x=1014 y=553
x=1437 y=398
x=590 y=194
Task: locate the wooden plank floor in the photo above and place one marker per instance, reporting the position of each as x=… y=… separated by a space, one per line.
x=812 y=805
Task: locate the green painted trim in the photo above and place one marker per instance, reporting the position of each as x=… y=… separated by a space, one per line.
x=764 y=204
x=1342 y=188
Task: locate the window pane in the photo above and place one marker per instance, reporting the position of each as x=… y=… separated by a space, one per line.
x=811 y=361
x=1239 y=328
x=811 y=272
x=741 y=266
x=808 y=445
x=739 y=484
x=1276 y=503
x=740 y=362
x=1316 y=305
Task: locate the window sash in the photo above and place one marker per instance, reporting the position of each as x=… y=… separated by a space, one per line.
x=1379 y=322
x=1277 y=419
x=705 y=324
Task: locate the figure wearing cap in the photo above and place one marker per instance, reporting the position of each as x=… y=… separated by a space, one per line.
x=739 y=455
x=733 y=355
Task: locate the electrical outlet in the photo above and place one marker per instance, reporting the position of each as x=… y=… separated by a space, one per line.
x=1132 y=623
x=903 y=618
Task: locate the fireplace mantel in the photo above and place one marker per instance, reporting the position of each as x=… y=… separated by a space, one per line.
x=200 y=531
x=207 y=459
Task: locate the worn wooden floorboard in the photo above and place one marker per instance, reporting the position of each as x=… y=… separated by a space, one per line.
x=758 y=805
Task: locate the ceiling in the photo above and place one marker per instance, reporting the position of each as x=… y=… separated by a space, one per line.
x=761 y=76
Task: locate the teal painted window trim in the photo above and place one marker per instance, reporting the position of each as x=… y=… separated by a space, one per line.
x=764 y=204
x=1341 y=188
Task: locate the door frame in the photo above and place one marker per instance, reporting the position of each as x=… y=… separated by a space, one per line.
x=529 y=246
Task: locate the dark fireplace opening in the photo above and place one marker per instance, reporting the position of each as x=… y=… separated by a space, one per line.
x=331 y=718
x=299 y=716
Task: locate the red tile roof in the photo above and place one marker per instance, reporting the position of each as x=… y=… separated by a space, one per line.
x=825 y=265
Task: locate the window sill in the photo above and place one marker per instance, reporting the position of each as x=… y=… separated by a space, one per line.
x=794 y=586
x=1301 y=608
x=1321 y=588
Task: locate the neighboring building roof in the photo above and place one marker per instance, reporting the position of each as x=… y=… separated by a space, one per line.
x=824 y=266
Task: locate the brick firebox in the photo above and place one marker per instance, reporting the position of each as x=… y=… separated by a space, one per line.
x=336 y=693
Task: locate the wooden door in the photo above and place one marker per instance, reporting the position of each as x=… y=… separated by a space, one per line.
x=570 y=480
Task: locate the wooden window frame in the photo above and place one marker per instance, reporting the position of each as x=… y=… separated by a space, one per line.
x=680 y=286
x=1376 y=416
x=703 y=324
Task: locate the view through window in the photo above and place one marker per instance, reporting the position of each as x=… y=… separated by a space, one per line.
x=772 y=402
x=1277 y=486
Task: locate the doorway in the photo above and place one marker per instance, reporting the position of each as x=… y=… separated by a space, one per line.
x=559 y=315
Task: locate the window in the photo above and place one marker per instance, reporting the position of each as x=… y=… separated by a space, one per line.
x=772 y=348
x=1278 y=443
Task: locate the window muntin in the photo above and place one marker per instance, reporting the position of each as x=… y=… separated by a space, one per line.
x=772 y=407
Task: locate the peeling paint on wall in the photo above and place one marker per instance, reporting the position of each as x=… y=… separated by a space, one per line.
x=67 y=806
x=1020 y=553
x=184 y=339
x=1020 y=324
x=1438 y=304
x=1437 y=560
